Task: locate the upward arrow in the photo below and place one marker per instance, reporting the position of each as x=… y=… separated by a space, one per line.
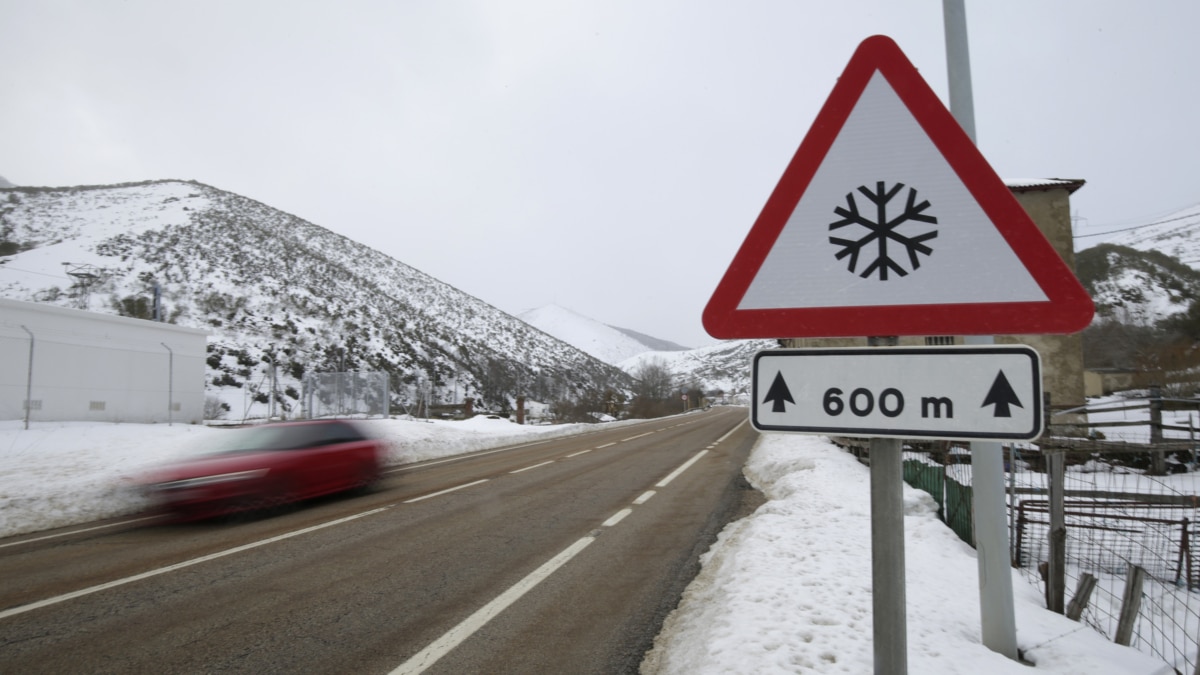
x=779 y=393
x=1002 y=396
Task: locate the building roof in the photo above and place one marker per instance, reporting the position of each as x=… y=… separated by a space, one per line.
x=1035 y=184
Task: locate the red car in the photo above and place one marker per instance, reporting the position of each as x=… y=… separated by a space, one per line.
x=266 y=466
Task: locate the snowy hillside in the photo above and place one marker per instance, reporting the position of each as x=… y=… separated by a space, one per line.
x=271 y=286
x=1176 y=234
x=1144 y=274
x=725 y=366
x=610 y=345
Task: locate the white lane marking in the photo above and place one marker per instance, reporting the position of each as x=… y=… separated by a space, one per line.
x=616 y=518
x=455 y=636
x=178 y=566
x=645 y=497
x=581 y=452
x=684 y=467
x=459 y=458
x=442 y=492
x=532 y=467
x=639 y=435
x=606 y=445
x=67 y=534
x=739 y=426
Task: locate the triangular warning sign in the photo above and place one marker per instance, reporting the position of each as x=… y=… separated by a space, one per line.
x=888 y=221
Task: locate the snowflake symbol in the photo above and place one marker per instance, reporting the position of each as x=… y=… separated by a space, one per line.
x=881 y=230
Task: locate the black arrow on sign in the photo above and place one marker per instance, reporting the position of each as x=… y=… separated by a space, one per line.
x=778 y=393
x=1002 y=396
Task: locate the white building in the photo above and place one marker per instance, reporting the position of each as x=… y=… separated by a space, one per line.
x=76 y=365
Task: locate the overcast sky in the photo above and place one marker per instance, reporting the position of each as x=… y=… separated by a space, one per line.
x=607 y=156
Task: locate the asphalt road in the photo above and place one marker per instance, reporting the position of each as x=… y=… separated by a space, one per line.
x=558 y=556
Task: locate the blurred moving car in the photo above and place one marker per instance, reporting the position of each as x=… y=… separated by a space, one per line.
x=267 y=466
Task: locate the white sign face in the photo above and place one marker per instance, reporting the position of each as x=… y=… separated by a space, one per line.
x=887 y=221
x=968 y=392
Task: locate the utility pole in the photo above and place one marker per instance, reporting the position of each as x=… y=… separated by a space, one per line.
x=29 y=378
x=998 y=623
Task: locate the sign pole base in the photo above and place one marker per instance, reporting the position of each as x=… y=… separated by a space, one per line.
x=887 y=557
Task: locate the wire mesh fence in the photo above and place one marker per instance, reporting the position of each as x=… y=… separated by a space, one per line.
x=350 y=394
x=1130 y=497
x=1117 y=516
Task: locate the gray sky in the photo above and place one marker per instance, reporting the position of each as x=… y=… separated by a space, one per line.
x=607 y=156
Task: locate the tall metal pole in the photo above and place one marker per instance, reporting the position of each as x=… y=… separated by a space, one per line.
x=29 y=378
x=998 y=623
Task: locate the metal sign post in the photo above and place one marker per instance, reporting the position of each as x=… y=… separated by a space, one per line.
x=889 y=603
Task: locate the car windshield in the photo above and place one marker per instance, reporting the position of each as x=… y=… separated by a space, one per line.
x=284 y=437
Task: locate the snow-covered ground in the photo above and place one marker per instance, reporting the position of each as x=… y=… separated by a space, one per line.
x=785 y=590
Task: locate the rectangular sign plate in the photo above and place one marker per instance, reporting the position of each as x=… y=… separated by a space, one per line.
x=961 y=392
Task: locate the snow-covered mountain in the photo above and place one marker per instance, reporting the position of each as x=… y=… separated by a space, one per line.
x=610 y=344
x=1144 y=274
x=271 y=286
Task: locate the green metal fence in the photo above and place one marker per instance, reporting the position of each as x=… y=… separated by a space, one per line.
x=928 y=477
x=953 y=498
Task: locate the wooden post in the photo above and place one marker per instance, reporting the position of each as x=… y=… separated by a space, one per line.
x=1185 y=554
x=1056 y=581
x=1131 y=602
x=1158 y=458
x=1083 y=592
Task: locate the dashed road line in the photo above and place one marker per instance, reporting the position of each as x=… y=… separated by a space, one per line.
x=616 y=518
x=683 y=467
x=532 y=467
x=442 y=492
x=639 y=436
x=465 y=629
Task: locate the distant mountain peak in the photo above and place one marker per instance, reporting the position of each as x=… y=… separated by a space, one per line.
x=610 y=344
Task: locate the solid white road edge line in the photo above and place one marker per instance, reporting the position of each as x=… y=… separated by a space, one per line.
x=442 y=492
x=178 y=566
x=67 y=534
x=455 y=636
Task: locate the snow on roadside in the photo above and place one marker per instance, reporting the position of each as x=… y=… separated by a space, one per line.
x=788 y=589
